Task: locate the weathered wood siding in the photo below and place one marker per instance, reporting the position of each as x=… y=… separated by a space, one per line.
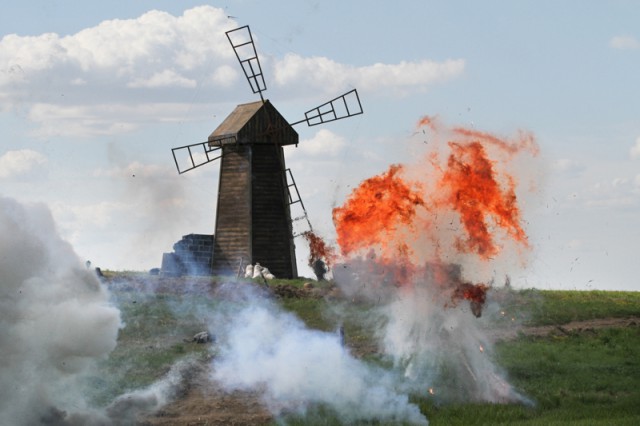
x=233 y=214
x=271 y=240
x=255 y=123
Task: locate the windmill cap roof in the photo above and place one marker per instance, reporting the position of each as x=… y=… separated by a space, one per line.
x=254 y=122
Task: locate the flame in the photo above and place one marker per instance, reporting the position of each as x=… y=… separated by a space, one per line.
x=319 y=249
x=374 y=211
x=459 y=200
x=525 y=141
x=476 y=195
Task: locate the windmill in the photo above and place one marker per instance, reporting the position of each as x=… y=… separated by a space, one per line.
x=255 y=189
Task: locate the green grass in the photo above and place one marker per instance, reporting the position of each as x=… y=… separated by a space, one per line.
x=590 y=377
x=546 y=307
x=586 y=378
x=152 y=340
x=313 y=312
x=580 y=378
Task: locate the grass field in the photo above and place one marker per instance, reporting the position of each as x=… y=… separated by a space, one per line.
x=591 y=376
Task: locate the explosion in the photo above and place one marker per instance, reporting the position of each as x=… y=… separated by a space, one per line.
x=459 y=201
x=474 y=193
x=420 y=238
x=374 y=210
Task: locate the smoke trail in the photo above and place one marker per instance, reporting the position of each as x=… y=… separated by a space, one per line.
x=56 y=322
x=265 y=348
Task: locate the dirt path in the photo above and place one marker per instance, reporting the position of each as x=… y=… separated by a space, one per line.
x=586 y=326
x=205 y=404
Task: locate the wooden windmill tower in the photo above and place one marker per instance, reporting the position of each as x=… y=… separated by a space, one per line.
x=253 y=217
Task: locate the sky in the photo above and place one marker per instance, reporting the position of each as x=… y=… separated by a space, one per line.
x=93 y=96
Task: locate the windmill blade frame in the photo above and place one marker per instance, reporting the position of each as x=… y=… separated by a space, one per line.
x=194 y=162
x=344 y=106
x=243 y=46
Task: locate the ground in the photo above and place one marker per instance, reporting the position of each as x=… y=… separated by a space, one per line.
x=204 y=404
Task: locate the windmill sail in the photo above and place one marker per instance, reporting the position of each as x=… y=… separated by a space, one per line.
x=344 y=106
x=192 y=156
x=301 y=223
x=242 y=43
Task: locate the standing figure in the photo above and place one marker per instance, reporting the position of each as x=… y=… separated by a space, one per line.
x=319 y=268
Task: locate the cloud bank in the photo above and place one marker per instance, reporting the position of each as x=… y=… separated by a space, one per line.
x=86 y=84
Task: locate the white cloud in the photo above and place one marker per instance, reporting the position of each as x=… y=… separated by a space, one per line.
x=109 y=119
x=568 y=166
x=324 y=143
x=105 y=79
x=86 y=216
x=120 y=49
x=635 y=150
x=404 y=74
x=166 y=78
x=619 y=192
x=224 y=76
x=22 y=163
x=624 y=43
x=323 y=73
x=81 y=85
x=136 y=169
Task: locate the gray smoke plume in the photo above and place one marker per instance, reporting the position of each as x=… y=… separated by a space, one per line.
x=264 y=348
x=55 y=317
x=56 y=323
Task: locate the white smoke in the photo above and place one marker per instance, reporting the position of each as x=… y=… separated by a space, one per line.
x=444 y=349
x=440 y=346
x=55 y=315
x=56 y=323
x=264 y=348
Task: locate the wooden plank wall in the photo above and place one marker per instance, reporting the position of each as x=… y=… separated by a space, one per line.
x=233 y=214
x=272 y=243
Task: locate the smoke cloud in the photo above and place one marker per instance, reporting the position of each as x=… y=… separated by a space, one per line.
x=264 y=348
x=56 y=323
x=55 y=315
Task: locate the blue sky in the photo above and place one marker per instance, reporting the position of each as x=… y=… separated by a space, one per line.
x=95 y=94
